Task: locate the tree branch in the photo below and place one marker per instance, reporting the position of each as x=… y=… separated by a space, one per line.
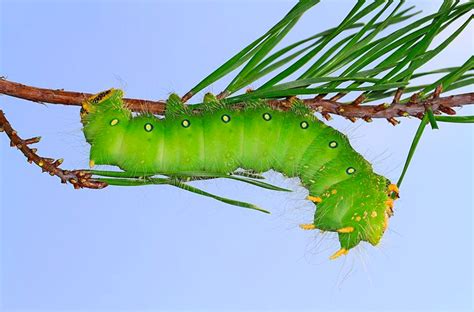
x=415 y=107
x=73 y=98
x=78 y=178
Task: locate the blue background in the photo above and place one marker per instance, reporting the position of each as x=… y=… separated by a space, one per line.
x=160 y=248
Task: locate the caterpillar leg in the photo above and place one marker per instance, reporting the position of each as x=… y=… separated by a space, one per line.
x=340 y=252
x=345 y=232
x=349 y=237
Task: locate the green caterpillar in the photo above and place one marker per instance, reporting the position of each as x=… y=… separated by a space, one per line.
x=351 y=199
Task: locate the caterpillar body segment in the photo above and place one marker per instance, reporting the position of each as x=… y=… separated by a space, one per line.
x=351 y=199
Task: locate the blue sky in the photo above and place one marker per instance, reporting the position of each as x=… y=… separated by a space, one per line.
x=160 y=248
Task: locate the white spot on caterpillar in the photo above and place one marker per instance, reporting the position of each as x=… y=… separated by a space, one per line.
x=225 y=118
x=148 y=127
x=185 y=123
x=267 y=116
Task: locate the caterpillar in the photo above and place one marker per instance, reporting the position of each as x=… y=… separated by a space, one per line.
x=349 y=197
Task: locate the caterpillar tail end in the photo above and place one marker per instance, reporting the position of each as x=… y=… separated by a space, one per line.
x=340 y=252
x=89 y=104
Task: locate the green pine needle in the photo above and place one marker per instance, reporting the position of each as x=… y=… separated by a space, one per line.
x=353 y=56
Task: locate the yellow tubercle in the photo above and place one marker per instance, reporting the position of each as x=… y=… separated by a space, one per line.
x=385 y=223
x=307 y=227
x=314 y=199
x=340 y=252
x=394 y=188
x=348 y=229
x=91 y=164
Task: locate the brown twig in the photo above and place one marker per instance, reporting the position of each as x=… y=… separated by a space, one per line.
x=320 y=96
x=397 y=96
x=326 y=107
x=60 y=96
x=391 y=111
x=338 y=96
x=78 y=178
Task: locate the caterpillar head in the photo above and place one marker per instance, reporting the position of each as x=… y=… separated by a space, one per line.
x=356 y=207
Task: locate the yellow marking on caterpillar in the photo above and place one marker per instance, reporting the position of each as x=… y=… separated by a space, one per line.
x=87 y=107
x=307 y=227
x=358 y=218
x=385 y=223
x=185 y=123
x=334 y=192
x=314 y=199
x=89 y=103
x=348 y=229
x=389 y=204
x=340 y=252
x=148 y=127
x=83 y=113
x=91 y=163
x=100 y=97
x=225 y=118
x=394 y=188
x=373 y=214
